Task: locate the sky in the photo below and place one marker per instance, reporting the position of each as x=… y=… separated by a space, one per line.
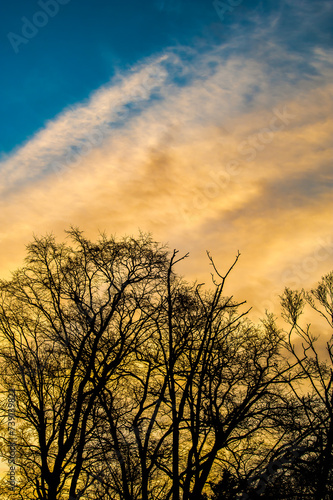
x=208 y=124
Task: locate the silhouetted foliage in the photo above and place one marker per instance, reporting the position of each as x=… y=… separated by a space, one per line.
x=315 y=363
x=133 y=384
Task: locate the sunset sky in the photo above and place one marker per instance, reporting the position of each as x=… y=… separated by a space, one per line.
x=212 y=130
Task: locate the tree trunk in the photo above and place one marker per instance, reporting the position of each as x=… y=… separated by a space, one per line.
x=201 y=481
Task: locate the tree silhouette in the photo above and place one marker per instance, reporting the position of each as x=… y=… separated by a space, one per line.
x=68 y=320
x=133 y=384
x=316 y=398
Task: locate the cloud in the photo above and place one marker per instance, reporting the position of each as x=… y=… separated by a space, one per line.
x=81 y=128
x=205 y=149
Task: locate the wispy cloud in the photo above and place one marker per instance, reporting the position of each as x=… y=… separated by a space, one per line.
x=79 y=129
x=166 y=147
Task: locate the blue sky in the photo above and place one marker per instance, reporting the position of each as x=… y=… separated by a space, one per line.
x=86 y=42
x=169 y=116
x=80 y=49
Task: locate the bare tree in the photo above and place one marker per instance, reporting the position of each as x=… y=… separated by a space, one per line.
x=197 y=394
x=132 y=384
x=315 y=363
x=68 y=320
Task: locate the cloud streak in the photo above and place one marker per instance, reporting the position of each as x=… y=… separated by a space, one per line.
x=79 y=129
x=206 y=149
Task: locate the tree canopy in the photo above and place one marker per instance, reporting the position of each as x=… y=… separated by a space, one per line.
x=130 y=383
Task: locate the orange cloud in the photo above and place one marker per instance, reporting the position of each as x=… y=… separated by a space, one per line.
x=198 y=167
